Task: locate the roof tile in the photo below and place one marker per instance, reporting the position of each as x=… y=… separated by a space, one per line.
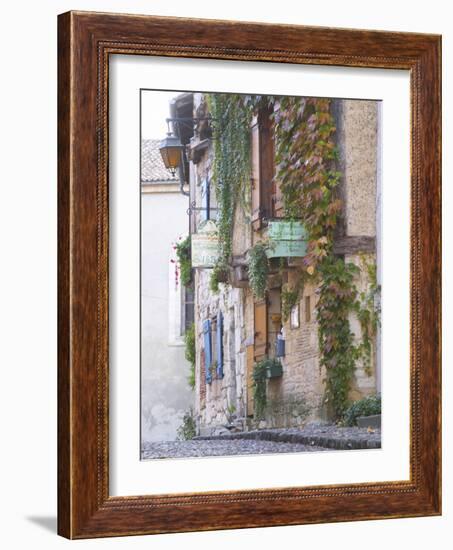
x=153 y=168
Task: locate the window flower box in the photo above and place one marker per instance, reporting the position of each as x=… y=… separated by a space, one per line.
x=274 y=369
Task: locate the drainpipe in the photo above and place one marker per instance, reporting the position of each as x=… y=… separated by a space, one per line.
x=175 y=130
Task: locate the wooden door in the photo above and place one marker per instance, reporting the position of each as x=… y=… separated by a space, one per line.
x=260 y=326
x=250 y=351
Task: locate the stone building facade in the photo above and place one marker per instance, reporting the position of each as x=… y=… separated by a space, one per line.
x=234 y=330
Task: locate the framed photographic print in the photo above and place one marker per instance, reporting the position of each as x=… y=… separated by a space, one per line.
x=249 y=275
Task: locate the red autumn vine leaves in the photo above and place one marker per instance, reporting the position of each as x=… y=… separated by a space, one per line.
x=305 y=155
x=305 y=159
x=306 y=172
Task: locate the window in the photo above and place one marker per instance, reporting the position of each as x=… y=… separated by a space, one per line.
x=187 y=308
x=205 y=200
x=307 y=309
x=213 y=346
x=266 y=196
x=180 y=306
x=207 y=349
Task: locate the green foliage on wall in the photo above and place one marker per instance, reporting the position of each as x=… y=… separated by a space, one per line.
x=258 y=270
x=368 y=311
x=219 y=274
x=306 y=156
x=190 y=353
x=289 y=298
x=183 y=253
x=188 y=429
x=259 y=388
x=231 y=163
x=337 y=298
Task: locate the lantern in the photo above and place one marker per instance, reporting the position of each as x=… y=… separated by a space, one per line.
x=171 y=150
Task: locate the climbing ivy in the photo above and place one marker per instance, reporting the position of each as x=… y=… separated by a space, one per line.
x=183 y=253
x=231 y=163
x=305 y=157
x=259 y=376
x=368 y=311
x=219 y=275
x=190 y=353
x=289 y=299
x=339 y=297
x=258 y=270
x=338 y=352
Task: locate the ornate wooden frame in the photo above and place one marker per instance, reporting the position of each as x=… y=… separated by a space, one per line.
x=85 y=41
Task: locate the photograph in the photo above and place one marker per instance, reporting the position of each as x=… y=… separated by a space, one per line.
x=249 y=272
x=261 y=268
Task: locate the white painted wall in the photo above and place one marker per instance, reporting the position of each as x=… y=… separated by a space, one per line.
x=165 y=392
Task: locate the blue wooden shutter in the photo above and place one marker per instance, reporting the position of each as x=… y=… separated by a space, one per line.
x=219 y=344
x=207 y=349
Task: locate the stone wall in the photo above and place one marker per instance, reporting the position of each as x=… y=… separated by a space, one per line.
x=297 y=396
x=364 y=379
x=222 y=399
x=225 y=397
x=302 y=376
x=357 y=138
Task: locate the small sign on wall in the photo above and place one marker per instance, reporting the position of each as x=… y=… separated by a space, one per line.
x=205 y=245
x=286 y=239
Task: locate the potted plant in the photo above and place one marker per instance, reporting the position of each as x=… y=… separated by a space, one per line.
x=273 y=367
x=364 y=413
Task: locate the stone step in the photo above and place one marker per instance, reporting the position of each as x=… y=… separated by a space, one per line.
x=348 y=438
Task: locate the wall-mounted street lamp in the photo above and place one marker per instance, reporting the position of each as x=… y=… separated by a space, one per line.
x=173 y=152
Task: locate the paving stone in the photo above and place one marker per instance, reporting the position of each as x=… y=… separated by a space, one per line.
x=217 y=447
x=313 y=437
x=320 y=435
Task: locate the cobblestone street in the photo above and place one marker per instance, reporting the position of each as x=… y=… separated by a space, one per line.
x=313 y=438
x=200 y=448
